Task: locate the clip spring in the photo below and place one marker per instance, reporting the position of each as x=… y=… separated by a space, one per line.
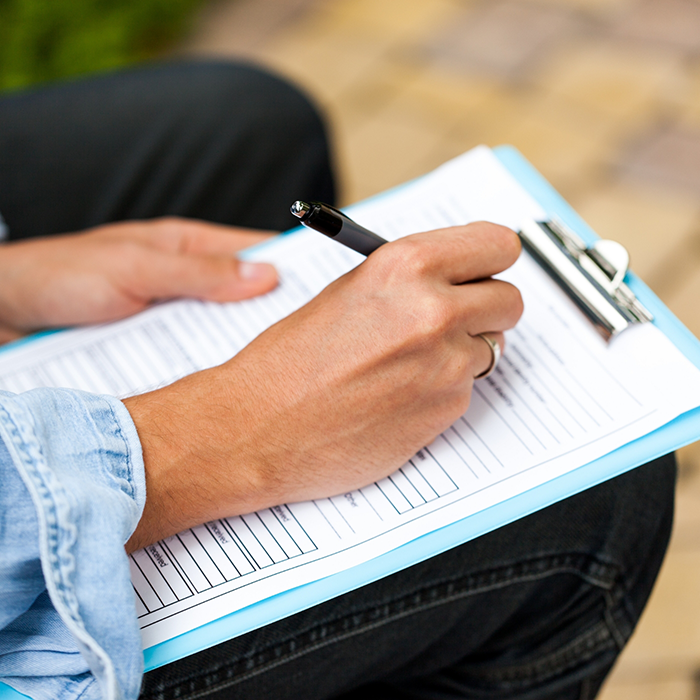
x=592 y=277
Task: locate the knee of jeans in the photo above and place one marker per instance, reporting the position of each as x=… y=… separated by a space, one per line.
x=229 y=91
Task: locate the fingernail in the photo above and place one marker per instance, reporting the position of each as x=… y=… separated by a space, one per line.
x=252 y=272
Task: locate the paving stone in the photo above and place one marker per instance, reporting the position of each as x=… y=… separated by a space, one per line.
x=654 y=227
x=233 y=27
x=689 y=466
x=671 y=23
x=444 y=100
x=686 y=526
x=599 y=9
x=626 y=85
x=668 y=158
x=494 y=118
x=563 y=142
x=362 y=99
x=503 y=38
x=326 y=64
x=689 y=107
x=399 y=19
x=383 y=152
x=675 y=689
x=684 y=301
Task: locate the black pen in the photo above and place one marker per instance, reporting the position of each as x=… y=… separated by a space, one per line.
x=336 y=225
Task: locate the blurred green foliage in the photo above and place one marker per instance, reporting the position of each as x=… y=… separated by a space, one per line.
x=42 y=40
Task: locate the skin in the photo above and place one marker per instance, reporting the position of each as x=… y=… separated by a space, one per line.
x=113 y=271
x=337 y=395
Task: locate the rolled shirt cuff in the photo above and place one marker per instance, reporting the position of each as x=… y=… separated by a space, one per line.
x=79 y=458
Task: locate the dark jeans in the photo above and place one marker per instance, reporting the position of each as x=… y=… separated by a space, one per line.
x=224 y=143
x=538 y=609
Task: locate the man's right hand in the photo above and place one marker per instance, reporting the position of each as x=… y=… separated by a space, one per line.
x=338 y=394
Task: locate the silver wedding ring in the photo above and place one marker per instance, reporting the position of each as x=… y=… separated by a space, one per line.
x=495 y=355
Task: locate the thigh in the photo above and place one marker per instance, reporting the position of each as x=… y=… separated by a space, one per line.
x=219 y=141
x=537 y=609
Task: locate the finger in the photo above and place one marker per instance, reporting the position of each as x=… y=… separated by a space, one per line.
x=488 y=305
x=213 y=278
x=458 y=254
x=187 y=236
x=201 y=238
x=485 y=358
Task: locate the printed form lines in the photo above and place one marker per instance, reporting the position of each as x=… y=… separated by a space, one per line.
x=421 y=480
x=210 y=555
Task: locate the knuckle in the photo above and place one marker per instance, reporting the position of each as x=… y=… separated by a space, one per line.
x=450 y=382
x=433 y=317
x=406 y=257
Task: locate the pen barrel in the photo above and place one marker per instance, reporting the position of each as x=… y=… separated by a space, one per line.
x=358 y=238
x=333 y=223
x=324 y=220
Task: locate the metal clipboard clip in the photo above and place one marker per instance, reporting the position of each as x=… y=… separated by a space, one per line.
x=593 y=277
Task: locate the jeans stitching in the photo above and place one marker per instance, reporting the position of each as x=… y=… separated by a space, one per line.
x=532 y=570
x=581 y=649
x=591 y=570
x=616 y=633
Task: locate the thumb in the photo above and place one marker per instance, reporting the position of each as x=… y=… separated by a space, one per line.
x=208 y=277
x=252 y=279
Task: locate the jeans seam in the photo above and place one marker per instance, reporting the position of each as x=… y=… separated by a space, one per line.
x=331 y=640
x=561 y=564
x=581 y=649
x=564 y=565
x=619 y=637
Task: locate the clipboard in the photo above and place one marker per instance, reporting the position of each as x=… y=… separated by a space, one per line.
x=679 y=432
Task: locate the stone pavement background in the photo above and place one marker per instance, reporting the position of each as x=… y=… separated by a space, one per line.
x=602 y=96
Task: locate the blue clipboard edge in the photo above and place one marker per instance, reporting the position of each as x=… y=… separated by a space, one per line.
x=679 y=432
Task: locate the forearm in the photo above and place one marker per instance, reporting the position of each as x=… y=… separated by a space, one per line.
x=188 y=479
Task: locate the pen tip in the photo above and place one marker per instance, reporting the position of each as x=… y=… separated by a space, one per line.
x=300 y=209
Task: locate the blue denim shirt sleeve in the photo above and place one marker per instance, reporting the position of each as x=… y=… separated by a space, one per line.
x=73 y=490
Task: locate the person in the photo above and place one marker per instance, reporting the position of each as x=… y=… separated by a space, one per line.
x=540 y=608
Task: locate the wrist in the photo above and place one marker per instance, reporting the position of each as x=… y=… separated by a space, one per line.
x=9 y=330
x=194 y=472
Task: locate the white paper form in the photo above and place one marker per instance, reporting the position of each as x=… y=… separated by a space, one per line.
x=560 y=398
